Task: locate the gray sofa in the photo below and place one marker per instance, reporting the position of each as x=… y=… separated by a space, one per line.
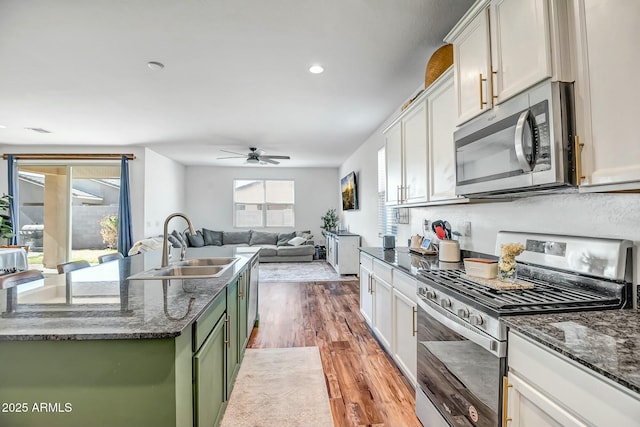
x=275 y=247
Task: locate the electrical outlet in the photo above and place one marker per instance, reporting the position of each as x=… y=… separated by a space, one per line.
x=466 y=229
x=425 y=224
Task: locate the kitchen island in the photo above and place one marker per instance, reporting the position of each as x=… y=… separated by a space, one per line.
x=92 y=348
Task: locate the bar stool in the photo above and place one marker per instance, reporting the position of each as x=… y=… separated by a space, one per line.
x=10 y=283
x=72 y=266
x=110 y=257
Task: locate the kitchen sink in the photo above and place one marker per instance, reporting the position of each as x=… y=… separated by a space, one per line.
x=207 y=261
x=196 y=268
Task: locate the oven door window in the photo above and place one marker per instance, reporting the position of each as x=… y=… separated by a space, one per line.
x=460 y=377
x=502 y=150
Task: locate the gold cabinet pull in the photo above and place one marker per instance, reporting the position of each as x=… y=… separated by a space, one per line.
x=482 y=103
x=493 y=95
x=413 y=321
x=578 y=149
x=227 y=337
x=505 y=400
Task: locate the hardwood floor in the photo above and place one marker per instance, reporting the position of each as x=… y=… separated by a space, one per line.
x=365 y=387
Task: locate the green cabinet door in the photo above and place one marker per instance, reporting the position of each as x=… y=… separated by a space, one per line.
x=209 y=370
x=233 y=355
x=243 y=336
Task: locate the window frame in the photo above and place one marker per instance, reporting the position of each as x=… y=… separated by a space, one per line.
x=264 y=204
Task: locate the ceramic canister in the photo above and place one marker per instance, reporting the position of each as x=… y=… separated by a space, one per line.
x=449 y=251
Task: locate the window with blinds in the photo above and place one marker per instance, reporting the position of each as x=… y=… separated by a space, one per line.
x=263 y=203
x=387 y=218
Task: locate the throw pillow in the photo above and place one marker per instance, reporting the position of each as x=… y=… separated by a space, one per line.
x=302 y=233
x=283 y=238
x=212 y=238
x=236 y=237
x=297 y=241
x=195 y=240
x=263 y=238
x=180 y=238
x=175 y=243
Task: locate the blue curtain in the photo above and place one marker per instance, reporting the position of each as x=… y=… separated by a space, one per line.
x=125 y=234
x=12 y=167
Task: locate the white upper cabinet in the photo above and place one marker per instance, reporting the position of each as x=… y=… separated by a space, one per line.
x=419 y=148
x=502 y=47
x=441 y=106
x=415 y=155
x=520 y=45
x=406 y=156
x=607 y=92
x=393 y=163
x=471 y=59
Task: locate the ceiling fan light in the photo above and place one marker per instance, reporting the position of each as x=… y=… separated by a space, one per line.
x=252 y=160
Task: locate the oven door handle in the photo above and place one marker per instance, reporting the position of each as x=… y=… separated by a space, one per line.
x=459 y=326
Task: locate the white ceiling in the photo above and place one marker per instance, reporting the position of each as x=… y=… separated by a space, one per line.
x=236 y=73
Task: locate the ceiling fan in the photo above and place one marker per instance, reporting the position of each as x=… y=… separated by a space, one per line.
x=255 y=155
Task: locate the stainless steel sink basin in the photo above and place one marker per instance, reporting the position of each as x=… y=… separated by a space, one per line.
x=198 y=271
x=208 y=261
x=197 y=268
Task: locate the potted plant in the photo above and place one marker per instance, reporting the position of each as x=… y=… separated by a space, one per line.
x=6 y=226
x=330 y=221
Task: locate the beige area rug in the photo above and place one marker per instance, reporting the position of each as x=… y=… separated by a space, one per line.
x=279 y=387
x=314 y=271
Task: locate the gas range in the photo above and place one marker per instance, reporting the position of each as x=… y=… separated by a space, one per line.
x=462 y=345
x=567 y=273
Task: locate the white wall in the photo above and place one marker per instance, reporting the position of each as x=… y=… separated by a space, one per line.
x=164 y=184
x=209 y=194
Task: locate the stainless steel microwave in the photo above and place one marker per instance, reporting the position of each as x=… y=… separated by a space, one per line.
x=523 y=145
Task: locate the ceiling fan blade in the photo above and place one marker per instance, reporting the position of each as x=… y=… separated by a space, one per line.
x=233 y=152
x=268 y=160
x=267 y=156
x=231 y=157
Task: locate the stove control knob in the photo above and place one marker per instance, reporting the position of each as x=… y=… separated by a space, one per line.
x=430 y=295
x=476 y=320
x=463 y=312
x=445 y=302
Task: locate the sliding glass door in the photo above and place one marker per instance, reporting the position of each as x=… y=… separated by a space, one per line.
x=67 y=212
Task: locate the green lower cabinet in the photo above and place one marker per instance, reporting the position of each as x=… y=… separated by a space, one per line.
x=243 y=306
x=97 y=383
x=209 y=371
x=233 y=354
x=174 y=382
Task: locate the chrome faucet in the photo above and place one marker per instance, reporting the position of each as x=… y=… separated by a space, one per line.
x=165 y=239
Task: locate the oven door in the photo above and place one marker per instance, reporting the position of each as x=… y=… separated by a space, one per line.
x=459 y=369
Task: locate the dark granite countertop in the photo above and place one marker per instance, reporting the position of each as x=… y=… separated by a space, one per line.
x=608 y=342
x=104 y=305
x=408 y=262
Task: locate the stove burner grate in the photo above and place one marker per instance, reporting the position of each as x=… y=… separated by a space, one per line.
x=543 y=297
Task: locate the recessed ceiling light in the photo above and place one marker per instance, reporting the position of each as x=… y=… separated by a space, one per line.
x=155 y=65
x=316 y=69
x=3 y=127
